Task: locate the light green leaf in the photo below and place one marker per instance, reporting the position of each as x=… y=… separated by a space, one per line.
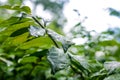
x=19 y=39
x=41 y=42
x=58 y=59
x=28 y=59
x=112 y=67
x=13 y=28
x=6 y=6
x=113 y=77
x=25 y=9
x=9 y=21
x=65 y=42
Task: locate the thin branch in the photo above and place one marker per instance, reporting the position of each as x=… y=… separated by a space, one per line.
x=38 y=22
x=46 y=31
x=54 y=41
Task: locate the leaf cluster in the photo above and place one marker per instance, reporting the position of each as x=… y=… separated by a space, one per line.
x=29 y=50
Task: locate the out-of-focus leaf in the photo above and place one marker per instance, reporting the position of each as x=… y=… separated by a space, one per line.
x=18 y=8
x=28 y=59
x=78 y=24
x=24 y=67
x=113 y=77
x=114 y=12
x=8 y=22
x=8 y=62
x=112 y=67
x=65 y=42
x=26 y=9
x=108 y=42
x=99 y=74
x=58 y=59
x=35 y=31
x=41 y=42
x=13 y=20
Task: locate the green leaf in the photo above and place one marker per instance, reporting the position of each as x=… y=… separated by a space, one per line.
x=19 y=32
x=24 y=67
x=114 y=12
x=65 y=42
x=19 y=39
x=41 y=42
x=15 y=41
x=11 y=29
x=113 y=77
x=25 y=9
x=58 y=59
x=108 y=42
x=9 y=21
x=112 y=67
x=28 y=59
x=6 y=6
x=40 y=54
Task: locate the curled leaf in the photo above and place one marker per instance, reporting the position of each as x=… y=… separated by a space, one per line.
x=57 y=59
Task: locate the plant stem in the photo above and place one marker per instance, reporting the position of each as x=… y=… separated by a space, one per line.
x=54 y=41
x=46 y=31
x=38 y=22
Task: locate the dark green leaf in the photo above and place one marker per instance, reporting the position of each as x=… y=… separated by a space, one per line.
x=40 y=54
x=114 y=12
x=58 y=59
x=19 y=32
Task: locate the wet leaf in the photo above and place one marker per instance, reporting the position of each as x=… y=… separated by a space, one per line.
x=80 y=62
x=58 y=59
x=112 y=67
x=36 y=31
x=113 y=77
x=65 y=42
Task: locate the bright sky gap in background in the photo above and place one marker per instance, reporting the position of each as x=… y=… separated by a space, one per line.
x=96 y=11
